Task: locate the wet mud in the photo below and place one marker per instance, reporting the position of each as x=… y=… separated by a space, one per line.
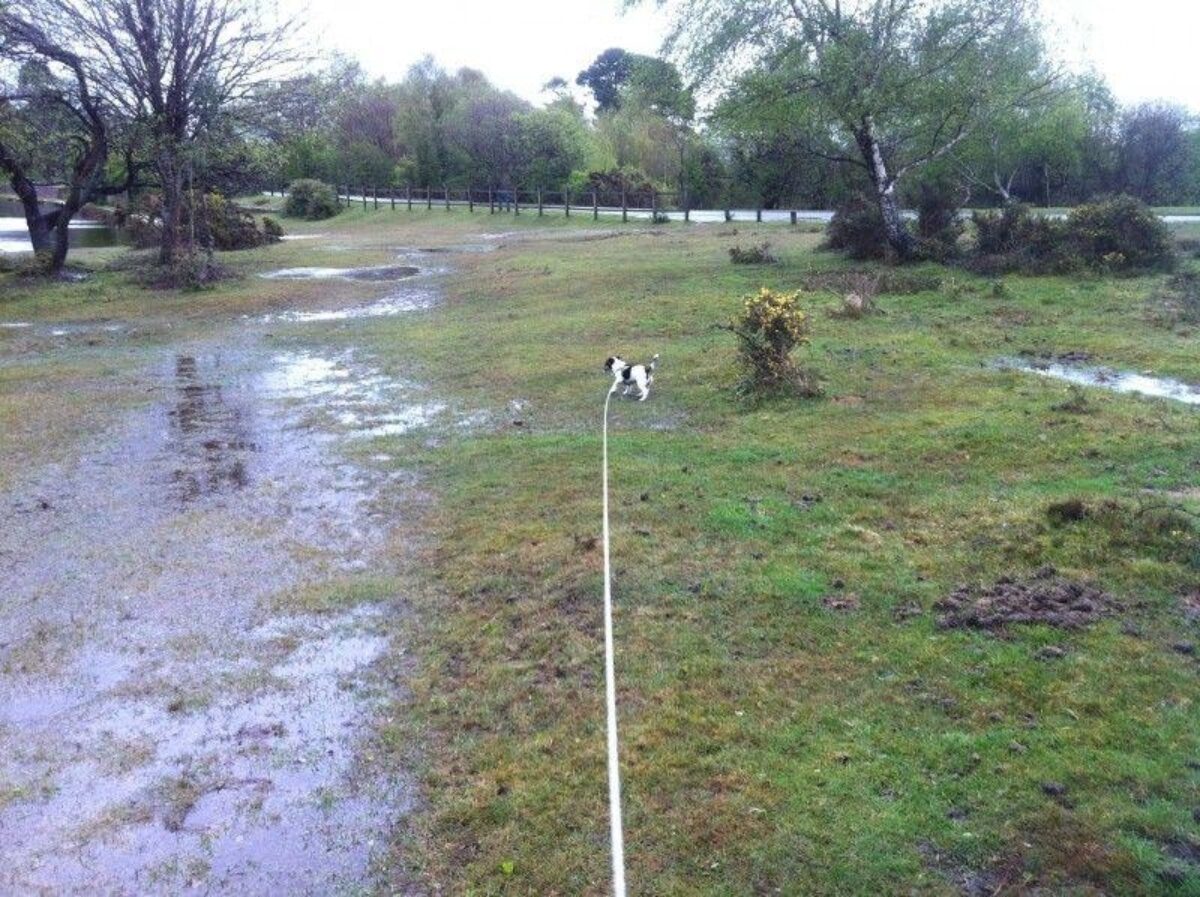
x=164 y=727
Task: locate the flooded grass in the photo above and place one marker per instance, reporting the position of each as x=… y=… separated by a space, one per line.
x=1105 y=378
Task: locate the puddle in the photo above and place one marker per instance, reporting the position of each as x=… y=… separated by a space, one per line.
x=407 y=300
x=360 y=403
x=378 y=274
x=1105 y=378
x=302 y=236
x=14 y=325
x=159 y=732
x=437 y=250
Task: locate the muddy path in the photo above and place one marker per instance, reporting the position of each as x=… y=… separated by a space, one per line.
x=169 y=719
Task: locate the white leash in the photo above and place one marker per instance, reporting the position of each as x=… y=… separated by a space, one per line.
x=610 y=687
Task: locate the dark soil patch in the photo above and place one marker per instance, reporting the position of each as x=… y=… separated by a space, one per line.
x=846 y=602
x=1044 y=597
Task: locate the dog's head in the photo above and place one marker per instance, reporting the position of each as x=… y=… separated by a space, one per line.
x=614 y=363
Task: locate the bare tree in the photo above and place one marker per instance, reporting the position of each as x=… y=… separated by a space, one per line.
x=65 y=86
x=177 y=67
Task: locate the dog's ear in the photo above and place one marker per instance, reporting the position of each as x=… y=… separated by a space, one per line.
x=608 y=364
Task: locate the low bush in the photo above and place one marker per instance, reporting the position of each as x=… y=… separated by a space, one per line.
x=1016 y=239
x=1115 y=235
x=271 y=227
x=857 y=229
x=754 y=255
x=1120 y=234
x=770 y=326
x=311 y=200
x=658 y=216
x=217 y=223
x=939 y=226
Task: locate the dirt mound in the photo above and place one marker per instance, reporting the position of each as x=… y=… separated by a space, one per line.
x=1044 y=597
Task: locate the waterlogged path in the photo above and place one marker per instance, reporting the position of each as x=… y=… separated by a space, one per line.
x=172 y=718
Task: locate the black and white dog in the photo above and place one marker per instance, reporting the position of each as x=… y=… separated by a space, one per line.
x=632 y=376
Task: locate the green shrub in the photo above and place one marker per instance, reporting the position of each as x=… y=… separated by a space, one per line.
x=768 y=328
x=1120 y=234
x=857 y=229
x=311 y=200
x=1015 y=239
x=271 y=227
x=755 y=255
x=217 y=222
x=938 y=224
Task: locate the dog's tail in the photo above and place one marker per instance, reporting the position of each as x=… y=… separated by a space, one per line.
x=653 y=363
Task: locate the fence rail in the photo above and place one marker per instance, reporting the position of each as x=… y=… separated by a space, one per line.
x=643 y=204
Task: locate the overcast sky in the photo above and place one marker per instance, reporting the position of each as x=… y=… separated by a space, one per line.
x=1146 y=49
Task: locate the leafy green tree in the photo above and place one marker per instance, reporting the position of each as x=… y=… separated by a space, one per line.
x=898 y=82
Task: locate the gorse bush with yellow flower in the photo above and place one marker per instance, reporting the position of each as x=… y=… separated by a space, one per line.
x=769 y=327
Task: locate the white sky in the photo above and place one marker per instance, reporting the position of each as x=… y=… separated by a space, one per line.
x=1146 y=49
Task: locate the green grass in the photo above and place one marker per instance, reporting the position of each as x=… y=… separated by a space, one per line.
x=769 y=745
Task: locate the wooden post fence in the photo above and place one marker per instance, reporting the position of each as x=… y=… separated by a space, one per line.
x=595 y=207
x=624 y=206
x=428 y=199
x=516 y=201
x=408 y=195
x=567 y=203
x=539 y=199
x=793 y=217
x=364 y=194
x=470 y=200
x=446 y=196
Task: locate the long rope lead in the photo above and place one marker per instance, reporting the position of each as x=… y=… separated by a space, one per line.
x=610 y=687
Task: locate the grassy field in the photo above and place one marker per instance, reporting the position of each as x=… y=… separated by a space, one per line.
x=794 y=720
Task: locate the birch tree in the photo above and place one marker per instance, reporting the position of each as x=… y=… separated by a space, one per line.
x=896 y=83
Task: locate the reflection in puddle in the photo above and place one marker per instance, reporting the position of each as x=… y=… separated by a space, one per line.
x=210 y=436
x=379 y=274
x=1117 y=381
x=366 y=404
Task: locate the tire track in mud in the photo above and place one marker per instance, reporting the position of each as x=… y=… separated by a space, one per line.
x=161 y=727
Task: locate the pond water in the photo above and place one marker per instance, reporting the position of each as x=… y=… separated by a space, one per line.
x=14 y=237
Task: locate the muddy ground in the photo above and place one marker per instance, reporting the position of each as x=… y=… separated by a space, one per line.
x=168 y=721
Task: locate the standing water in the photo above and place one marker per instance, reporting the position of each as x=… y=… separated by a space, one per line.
x=14 y=236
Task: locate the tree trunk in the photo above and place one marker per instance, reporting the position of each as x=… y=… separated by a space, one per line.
x=171 y=213
x=894 y=229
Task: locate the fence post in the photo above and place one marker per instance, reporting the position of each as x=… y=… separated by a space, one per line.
x=728 y=216
x=539 y=199
x=364 y=191
x=470 y=200
x=428 y=198
x=446 y=196
x=793 y=217
x=567 y=203
x=516 y=201
x=595 y=207
x=408 y=195
x=758 y=215
x=491 y=202
x=653 y=205
x=687 y=209
x=375 y=197
x=392 y=196
x=624 y=206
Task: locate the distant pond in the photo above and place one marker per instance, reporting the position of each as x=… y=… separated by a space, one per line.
x=14 y=237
